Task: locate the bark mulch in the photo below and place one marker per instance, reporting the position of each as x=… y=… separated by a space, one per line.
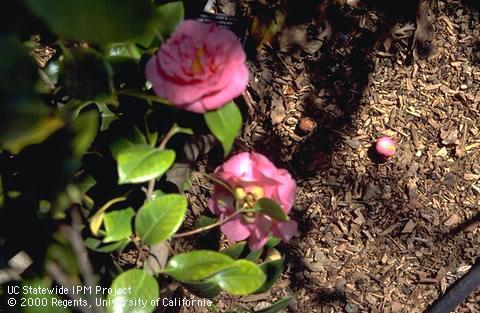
x=373 y=237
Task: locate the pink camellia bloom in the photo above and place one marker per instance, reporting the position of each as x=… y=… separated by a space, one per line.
x=201 y=67
x=252 y=176
x=385 y=146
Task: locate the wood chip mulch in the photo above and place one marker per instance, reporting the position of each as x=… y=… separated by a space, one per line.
x=374 y=237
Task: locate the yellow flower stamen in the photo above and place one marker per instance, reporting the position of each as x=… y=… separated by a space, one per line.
x=197 y=65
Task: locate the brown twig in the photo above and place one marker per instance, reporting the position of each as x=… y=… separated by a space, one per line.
x=61 y=278
x=201 y=229
x=81 y=254
x=151 y=183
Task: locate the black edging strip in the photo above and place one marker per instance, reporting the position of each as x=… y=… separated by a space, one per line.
x=458 y=291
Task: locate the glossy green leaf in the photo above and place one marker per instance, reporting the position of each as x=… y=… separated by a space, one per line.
x=52 y=70
x=204 y=221
x=149 y=97
x=97 y=219
x=106 y=115
x=270 y=208
x=235 y=250
x=86 y=76
x=139 y=286
x=203 y=289
x=85 y=127
x=225 y=123
x=118 y=224
x=157 y=193
x=118 y=145
x=96 y=21
x=160 y=218
x=84 y=182
x=273 y=241
x=24 y=118
x=16 y=139
x=167 y=17
x=122 y=49
x=96 y=245
x=197 y=265
x=243 y=278
x=140 y=163
x=254 y=255
x=273 y=270
x=277 y=307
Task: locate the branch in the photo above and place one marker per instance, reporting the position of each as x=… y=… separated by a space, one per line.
x=161 y=146
x=201 y=229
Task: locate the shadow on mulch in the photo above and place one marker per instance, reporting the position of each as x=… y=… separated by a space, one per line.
x=340 y=75
x=343 y=75
x=321 y=295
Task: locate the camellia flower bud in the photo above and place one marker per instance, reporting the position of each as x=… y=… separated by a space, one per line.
x=240 y=193
x=385 y=146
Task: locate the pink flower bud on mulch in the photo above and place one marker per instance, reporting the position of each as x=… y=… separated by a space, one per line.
x=385 y=146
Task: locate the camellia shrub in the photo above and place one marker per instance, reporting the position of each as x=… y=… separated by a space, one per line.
x=97 y=145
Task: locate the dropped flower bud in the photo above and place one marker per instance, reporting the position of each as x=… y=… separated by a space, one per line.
x=307 y=125
x=385 y=147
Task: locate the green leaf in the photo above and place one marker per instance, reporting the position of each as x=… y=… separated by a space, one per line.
x=225 y=123
x=243 y=278
x=278 y=306
x=141 y=163
x=236 y=250
x=97 y=219
x=139 y=286
x=203 y=289
x=24 y=118
x=118 y=224
x=16 y=139
x=157 y=193
x=204 y=221
x=273 y=270
x=96 y=245
x=254 y=255
x=86 y=76
x=130 y=136
x=197 y=265
x=270 y=208
x=96 y=21
x=160 y=218
x=84 y=182
x=273 y=241
x=85 y=127
x=123 y=49
x=167 y=17
x=106 y=115
x=142 y=95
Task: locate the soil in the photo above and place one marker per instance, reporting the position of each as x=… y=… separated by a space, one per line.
x=374 y=236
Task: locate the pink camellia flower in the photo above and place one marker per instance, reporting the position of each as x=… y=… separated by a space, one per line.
x=201 y=67
x=252 y=176
x=385 y=146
